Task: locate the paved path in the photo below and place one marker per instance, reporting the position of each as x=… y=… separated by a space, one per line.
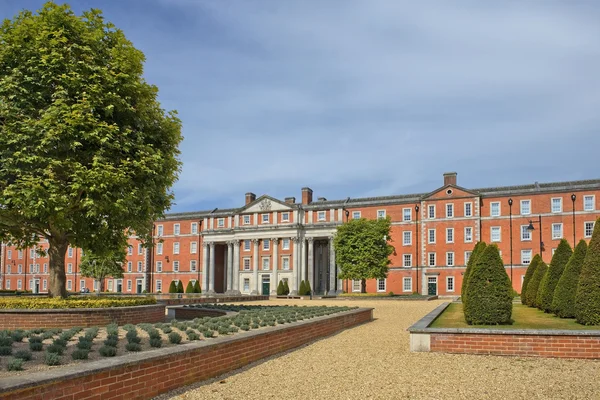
x=372 y=361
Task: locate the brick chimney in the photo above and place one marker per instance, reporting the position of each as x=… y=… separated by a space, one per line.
x=450 y=178
x=290 y=200
x=307 y=195
x=250 y=197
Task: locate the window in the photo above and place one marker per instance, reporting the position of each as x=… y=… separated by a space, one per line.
x=9 y=254
x=129 y=266
x=20 y=268
x=431 y=211
x=69 y=285
x=525 y=207
x=407 y=284
x=449 y=235
x=525 y=233
x=468 y=209
x=31 y=253
x=220 y=222
x=588 y=229
x=407 y=238
x=356 y=215
x=381 y=214
x=175 y=247
x=431 y=259
x=285 y=217
x=194 y=228
x=159 y=285
x=193 y=247
x=160 y=230
x=408 y=260
x=588 y=203
x=246 y=220
x=82 y=284
x=468 y=234
x=557 y=205
x=129 y=285
x=175 y=266
x=20 y=254
x=246 y=284
x=176 y=229
x=525 y=257
x=193 y=265
x=495 y=209
x=557 y=231
x=450 y=284
x=70 y=251
x=246 y=264
x=356 y=286
x=450 y=258
x=285 y=244
x=495 y=234
x=431 y=236
x=159 y=248
x=406 y=214
x=449 y=210
x=19 y=284
x=159 y=266
x=246 y=245
x=265 y=218
x=265 y=263
x=266 y=244
x=140 y=248
x=129 y=250
x=8 y=284
x=45 y=268
x=381 y=285
x=321 y=216
x=69 y=268
x=8 y=269
x=285 y=263
x=139 y=266
x=467 y=256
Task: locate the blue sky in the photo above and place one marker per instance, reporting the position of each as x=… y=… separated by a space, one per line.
x=364 y=98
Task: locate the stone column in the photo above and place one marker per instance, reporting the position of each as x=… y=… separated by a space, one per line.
x=236 y=268
x=274 y=279
x=310 y=265
x=211 y=267
x=295 y=267
x=332 y=268
x=229 y=266
x=255 y=267
x=205 y=251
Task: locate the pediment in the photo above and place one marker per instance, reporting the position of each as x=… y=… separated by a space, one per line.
x=266 y=204
x=449 y=192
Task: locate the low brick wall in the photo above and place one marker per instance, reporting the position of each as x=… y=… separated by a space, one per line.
x=148 y=374
x=84 y=317
x=184 y=313
x=211 y=299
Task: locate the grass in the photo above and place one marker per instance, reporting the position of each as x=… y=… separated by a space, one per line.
x=524 y=317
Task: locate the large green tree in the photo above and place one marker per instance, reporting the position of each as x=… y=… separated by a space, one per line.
x=534 y=284
x=563 y=302
x=528 y=275
x=362 y=249
x=587 y=298
x=88 y=155
x=477 y=250
x=555 y=269
x=102 y=266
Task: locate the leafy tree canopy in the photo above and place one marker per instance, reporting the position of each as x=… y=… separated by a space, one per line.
x=100 y=266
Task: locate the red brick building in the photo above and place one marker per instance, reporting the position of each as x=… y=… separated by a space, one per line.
x=249 y=249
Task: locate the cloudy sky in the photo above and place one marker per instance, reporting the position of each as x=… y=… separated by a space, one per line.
x=362 y=98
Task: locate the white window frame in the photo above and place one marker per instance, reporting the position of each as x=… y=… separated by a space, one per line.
x=266 y=261
x=285 y=216
x=449 y=235
x=130 y=250
x=129 y=285
x=140 y=266
x=70 y=252
x=468 y=234
x=246 y=219
x=406 y=282
x=449 y=255
x=159 y=285
x=468 y=254
x=160 y=230
x=556 y=237
x=492 y=204
x=430 y=208
x=528 y=201
x=70 y=268
x=247 y=245
x=450 y=207
x=470 y=206
x=176 y=247
x=266 y=244
x=285 y=244
x=405 y=258
x=159 y=248
x=381 y=214
x=220 y=222
x=176 y=229
x=193 y=265
x=159 y=266
x=593 y=199
x=283 y=263
x=69 y=285
x=429 y=259
x=407 y=214
x=193 y=247
x=525 y=231
x=404 y=237
x=552 y=205
x=356 y=214
x=321 y=216
x=492 y=229
x=585 y=225
x=265 y=218
x=448 y=284
x=356 y=285
x=246 y=284
x=429 y=240
x=194 y=228
x=129 y=266
x=379 y=281
x=9 y=254
x=249 y=260
x=175 y=266
x=140 y=249
x=526 y=255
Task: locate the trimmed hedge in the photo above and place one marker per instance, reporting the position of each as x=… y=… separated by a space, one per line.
x=180 y=287
x=555 y=269
x=197 y=287
x=534 y=284
x=173 y=287
x=477 y=250
x=286 y=288
x=280 y=288
x=528 y=275
x=36 y=303
x=587 y=298
x=490 y=291
x=302 y=289
x=189 y=288
x=563 y=302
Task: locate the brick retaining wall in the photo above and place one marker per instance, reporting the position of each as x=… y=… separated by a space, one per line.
x=215 y=299
x=185 y=313
x=148 y=374
x=84 y=317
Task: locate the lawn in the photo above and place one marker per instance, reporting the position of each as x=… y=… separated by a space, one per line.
x=524 y=317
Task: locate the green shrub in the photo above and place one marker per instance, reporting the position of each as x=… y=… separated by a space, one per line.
x=174 y=338
x=36 y=346
x=223 y=330
x=155 y=342
x=15 y=364
x=489 y=291
x=133 y=346
x=60 y=342
x=5 y=350
x=52 y=359
x=179 y=287
x=111 y=341
x=563 y=302
x=35 y=339
x=154 y=334
x=24 y=355
x=107 y=351
x=302 y=289
x=286 y=288
x=534 y=284
x=112 y=329
x=308 y=288
x=245 y=327
x=193 y=336
x=197 y=288
x=84 y=345
x=47 y=335
x=477 y=250
x=36 y=303
x=208 y=333
x=587 y=298
x=6 y=341
x=528 y=275
x=166 y=329
x=189 y=288
x=54 y=348
x=18 y=335
x=280 y=288
x=80 y=354
x=173 y=287
x=555 y=269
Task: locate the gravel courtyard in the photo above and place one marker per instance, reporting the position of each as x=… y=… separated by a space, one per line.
x=372 y=361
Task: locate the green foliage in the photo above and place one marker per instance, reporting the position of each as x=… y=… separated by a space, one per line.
x=17 y=335
x=88 y=155
x=24 y=355
x=587 y=298
x=280 y=288
x=112 y=329
x=179 y=287
x=308 y=288
x=362 y=249
x=197 y=288
x=155 y=342
x=54 y=348
x=36 y=303
x=6 y=350
x=528 y=275
x=174 y=338
x=534 y=284
x=286 y=288
x=107 y=351
x=52 y=359
x=555 y=269
x=84 y=344
x=477 y=250
x=189 y=288
x=80 y=354
x=36 y=346
x=173 y=287
x=6 y=341
x=111 y=341
x=302 y=289
x=489 y=291
x=563 y=302
x=100 y=266
x=133 y=346
x=15 y=364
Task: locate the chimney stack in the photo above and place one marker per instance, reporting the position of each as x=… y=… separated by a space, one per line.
x=250 y=197
x=307 y=194
x=450 y=178
x=290 y=200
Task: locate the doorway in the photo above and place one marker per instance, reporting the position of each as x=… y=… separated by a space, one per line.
x=432 y=286
x=321 y=266
x=119 y=286
x=266 y=285
x=138 y=286
x=36 y=286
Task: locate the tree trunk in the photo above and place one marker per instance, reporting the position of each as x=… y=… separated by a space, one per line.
x=363 y=286
x=56 y=252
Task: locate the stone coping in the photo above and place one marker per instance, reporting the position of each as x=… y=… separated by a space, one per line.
x=422 y=326
x=73 y=310
x=19 y=382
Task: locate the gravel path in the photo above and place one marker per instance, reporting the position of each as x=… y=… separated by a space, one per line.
x=372 y=361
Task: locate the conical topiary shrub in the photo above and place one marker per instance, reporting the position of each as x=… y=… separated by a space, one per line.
x=555 y=269
x=563 y=302
x=280 y=289
x=477 y=250
x=302 y=290
x=179 y=287
x=528 y=275
x=489 y=291
x=308 y=289
x=587 y=298
x=533 y=289
x=197 y=287
x=189 y=288
x=286 y=288
x=173 y=287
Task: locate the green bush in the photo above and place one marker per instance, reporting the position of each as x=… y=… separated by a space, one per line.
x=563 y=302
x=197 y=288
x=555 y=269
x=60 y=342
x=111 y=341
x=6 y=350
x=54 y=348
x=155 y=342
x=302 y=289
x=587 y=298
x=52 y=359
x=36 y=303
x=6 y=341
x=17 y=335
x=534 y=284
x=280 y=288
x=36 y=346
x=308 y=289
x=179 y=287
x=107 y=351
x=24 y=355
x=528 y=275
x=15 y=365
x=489 y=291
x=35 y=339
x=286 y=288
x=112 y=329
x=173 y=287
x=193 y=336
x=133 y=346
x=189 y=288
x=80 y=354
x=84 y=345
x=477 y=250
x=174 y=338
